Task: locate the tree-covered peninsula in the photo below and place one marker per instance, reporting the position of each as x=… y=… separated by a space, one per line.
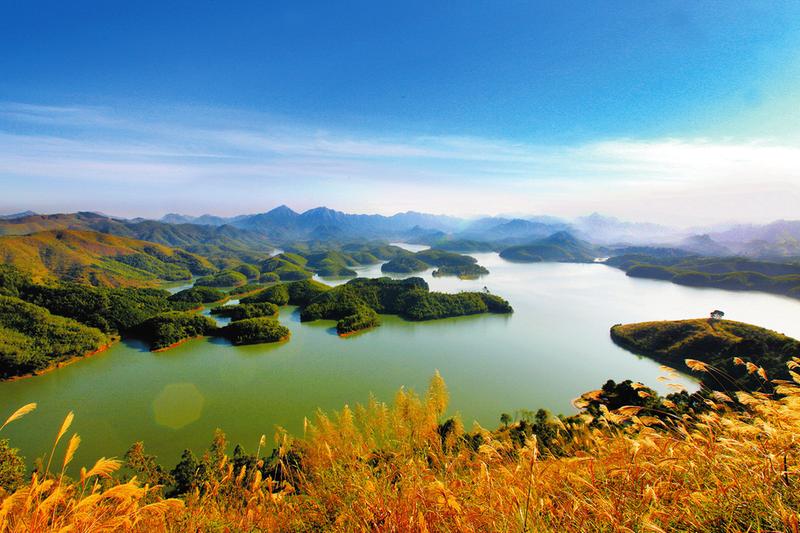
x=728 y=351
x=729 y=273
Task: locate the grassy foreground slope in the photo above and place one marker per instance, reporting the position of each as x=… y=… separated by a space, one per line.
x=404 y=467
x=98 y=259
x=715 y=343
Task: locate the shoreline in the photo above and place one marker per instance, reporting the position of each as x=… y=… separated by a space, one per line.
x=356 y=332
x=176 y=344
x=62 y=364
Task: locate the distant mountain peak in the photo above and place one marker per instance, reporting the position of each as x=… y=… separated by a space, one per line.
x=22 y=214
x=282 y=210
x=562 y=237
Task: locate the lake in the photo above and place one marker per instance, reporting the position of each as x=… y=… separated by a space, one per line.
x=555 y=346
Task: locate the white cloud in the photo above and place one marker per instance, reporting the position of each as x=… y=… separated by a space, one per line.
x=669 y=180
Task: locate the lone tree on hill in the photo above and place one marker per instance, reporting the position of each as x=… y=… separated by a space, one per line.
x=717 y=314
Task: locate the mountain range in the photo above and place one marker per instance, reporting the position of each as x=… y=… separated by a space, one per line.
x=283 y=226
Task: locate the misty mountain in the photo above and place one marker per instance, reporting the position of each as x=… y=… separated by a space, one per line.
x=704 y=245
x=776 y=239
x=602 y=229
x=561 y=246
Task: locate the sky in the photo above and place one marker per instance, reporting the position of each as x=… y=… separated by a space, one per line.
x=673 y=112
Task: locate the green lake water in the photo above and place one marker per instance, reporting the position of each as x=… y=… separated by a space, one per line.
x=555 y=346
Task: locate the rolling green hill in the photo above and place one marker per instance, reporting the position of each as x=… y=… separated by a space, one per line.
x=98 y=259
x=224 y=245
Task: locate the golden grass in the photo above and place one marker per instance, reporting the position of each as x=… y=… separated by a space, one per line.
x=378 y=467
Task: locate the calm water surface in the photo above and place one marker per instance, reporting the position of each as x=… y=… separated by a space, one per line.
x=555 y=346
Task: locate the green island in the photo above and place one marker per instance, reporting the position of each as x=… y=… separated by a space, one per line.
x=729 y=273
x=255 y=330
x=166 y=330
x=728 y=348
x=447 y=264
x=473 y=271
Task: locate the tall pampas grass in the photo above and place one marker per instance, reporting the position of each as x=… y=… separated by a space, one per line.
x=381 y=467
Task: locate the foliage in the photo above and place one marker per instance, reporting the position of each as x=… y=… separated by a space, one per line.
x=13 y=280
x=226 y=278
x=293 y=293
x=269 y=277
x=12 y=467
x=304 y=292
x=198 y=295
x=251 y=272
x=240 y=311
x=447 y=263
x=111 y=310
x=166 y=329
x=730 y=273
x=98 y=259
x=409 y=298
x=146 y=466
x=362 y=318
x=255 y=330
x=463 y=271
x=155 y=266
x=287 y=266
x=405 y=265
x=332 y=264
x=276 y=294
x=715 y=343
x=32 y=339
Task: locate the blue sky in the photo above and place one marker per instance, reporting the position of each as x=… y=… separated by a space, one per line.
x=669 y=111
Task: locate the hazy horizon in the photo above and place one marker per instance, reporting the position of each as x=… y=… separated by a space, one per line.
x=670 y=113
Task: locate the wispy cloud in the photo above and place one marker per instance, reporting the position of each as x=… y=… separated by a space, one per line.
x=243 y=164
